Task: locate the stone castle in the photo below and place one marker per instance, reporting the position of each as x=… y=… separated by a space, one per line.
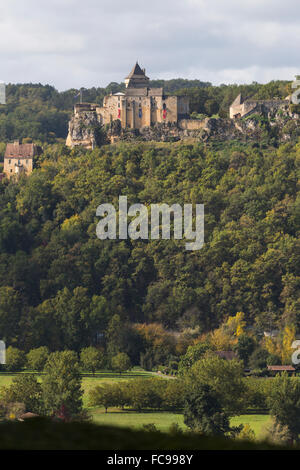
x=138 y=107
x=150 y=114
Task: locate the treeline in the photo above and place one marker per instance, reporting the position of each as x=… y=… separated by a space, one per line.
x=216 y=100
x=42 y=113
x=90 y=359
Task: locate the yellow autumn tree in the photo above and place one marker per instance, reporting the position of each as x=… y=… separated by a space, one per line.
x=272 y=345
x=236 y=325
x=221 y=341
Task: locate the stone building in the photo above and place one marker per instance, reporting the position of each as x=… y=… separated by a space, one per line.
x=18 y=158
x=140 y=105
x=137 y=107
x=242 y=108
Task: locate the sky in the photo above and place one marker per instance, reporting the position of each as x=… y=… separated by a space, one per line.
x=73 y=43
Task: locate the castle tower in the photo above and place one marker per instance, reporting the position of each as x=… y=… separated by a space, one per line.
x=137 y=78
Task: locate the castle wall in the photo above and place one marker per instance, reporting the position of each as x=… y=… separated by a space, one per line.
x=260 y=106
x=136 y=111
x=191 y=124
x=183 y=105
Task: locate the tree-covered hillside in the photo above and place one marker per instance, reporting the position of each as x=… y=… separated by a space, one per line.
x=60 y=284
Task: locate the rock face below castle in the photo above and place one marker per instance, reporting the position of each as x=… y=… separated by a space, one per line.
x=85 y=130
x=84 y=127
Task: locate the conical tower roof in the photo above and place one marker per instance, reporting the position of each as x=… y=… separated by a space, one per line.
x=137 y=78
x=136 y=70
x=239 y=100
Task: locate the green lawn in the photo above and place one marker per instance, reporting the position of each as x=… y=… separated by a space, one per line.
x=5 y=380
x=256 y=422
x=163 y=420
x=132 y=419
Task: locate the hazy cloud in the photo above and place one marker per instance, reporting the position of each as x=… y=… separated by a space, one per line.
x=71 y=43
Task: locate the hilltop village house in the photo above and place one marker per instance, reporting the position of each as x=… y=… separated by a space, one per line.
x=18 y=158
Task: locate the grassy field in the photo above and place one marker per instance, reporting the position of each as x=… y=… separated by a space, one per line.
x=162 y=420
x=256 y=422
x=5 y=380
x=132 y=419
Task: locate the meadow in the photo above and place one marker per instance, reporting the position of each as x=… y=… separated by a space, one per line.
x=135 y=420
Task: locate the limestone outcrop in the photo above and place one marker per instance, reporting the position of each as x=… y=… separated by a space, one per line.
x=84 y=130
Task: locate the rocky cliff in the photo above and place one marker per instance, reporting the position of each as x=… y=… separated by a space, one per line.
x=85 y=129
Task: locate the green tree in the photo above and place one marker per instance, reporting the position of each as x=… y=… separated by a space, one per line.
x=245 y=347
x=114 y=335
x=146 y=393
x=15 y=359
x=224 y=377
x=61 y=385
x=91 y=359
x=258 y=359
x=284 y=403
x=37 y=358
x=192 y=355
x=10 y=313
x=120 y=363
x=203 y=412
x=25 y=389
x=107 y=395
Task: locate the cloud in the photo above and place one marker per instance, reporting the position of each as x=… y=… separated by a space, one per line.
x=70 y=43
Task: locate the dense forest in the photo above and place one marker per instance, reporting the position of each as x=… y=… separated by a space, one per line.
x=60 y=284
x=62 y=287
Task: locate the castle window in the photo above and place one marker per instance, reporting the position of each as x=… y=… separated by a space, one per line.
x=9 y=162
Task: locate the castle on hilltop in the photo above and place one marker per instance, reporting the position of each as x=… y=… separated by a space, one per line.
x=148 y=113
x=138 y=106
